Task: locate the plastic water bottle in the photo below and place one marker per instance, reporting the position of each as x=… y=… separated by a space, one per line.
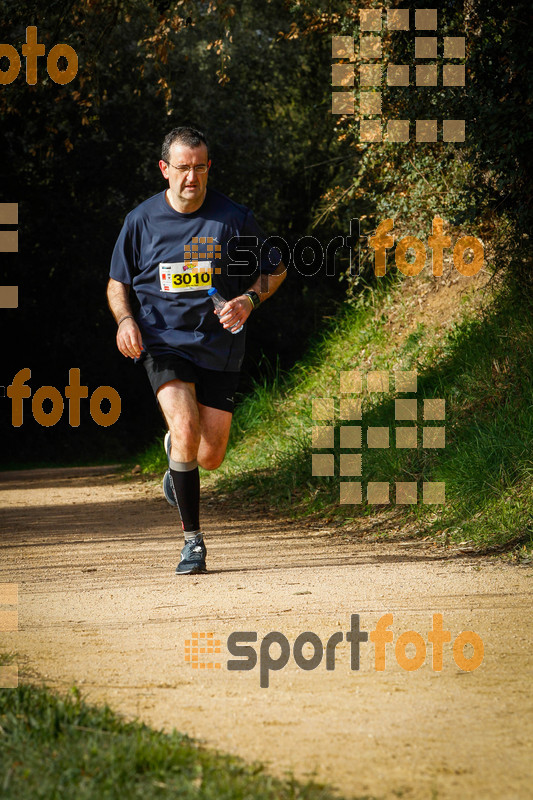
x=219 y=303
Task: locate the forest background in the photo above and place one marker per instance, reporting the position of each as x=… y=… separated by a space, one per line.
x=256 y=77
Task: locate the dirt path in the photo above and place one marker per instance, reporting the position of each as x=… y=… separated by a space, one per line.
x=99 y=605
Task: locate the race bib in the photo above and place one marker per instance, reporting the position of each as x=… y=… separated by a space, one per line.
x=185 y=276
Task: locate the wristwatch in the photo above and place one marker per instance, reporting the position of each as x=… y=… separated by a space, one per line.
x=254 y=297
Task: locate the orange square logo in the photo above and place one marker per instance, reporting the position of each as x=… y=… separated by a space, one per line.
x=201 y=650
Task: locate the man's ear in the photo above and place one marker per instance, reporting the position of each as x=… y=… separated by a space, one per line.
x=163 y=166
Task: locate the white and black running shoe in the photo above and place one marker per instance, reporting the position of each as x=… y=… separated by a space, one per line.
x=193 y=557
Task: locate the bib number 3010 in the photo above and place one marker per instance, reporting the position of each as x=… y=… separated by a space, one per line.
x=201 y=279
x=185 y=276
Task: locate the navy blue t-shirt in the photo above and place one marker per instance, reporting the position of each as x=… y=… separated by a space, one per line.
x=171 y=260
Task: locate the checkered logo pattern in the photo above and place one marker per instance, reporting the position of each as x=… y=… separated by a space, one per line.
x=202 y=248
x=200 y=650
x=350 y=436
x=372 y=74
x=9 y=243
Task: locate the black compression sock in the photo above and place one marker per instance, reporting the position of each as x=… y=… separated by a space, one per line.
x=186 y=481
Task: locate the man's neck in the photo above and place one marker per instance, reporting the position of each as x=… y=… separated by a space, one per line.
x=184 y=207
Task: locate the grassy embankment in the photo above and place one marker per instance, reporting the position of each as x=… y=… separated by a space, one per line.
x=59 y=747
x=482 y=365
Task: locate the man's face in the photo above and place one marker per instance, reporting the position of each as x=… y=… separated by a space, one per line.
x=186 y=188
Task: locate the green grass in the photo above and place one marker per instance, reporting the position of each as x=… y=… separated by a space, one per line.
x=483 y=368
x=60 y=747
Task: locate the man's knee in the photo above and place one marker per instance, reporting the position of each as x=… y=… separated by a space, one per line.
x=211 y=460
x=184 y=429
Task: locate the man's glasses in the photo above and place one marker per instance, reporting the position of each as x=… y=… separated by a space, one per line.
x=184 y=169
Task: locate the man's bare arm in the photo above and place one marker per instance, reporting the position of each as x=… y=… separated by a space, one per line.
x=267 y=284
x=129 y=339
x=239 y=309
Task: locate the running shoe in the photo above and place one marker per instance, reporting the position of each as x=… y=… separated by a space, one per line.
x=193 y=557
x=168 y=483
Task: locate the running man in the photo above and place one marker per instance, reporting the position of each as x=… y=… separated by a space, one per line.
x=172 y=248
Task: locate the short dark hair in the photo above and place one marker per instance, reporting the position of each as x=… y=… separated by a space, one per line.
x=184 y=135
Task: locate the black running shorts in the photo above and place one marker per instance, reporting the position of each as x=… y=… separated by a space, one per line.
x=214 y=388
